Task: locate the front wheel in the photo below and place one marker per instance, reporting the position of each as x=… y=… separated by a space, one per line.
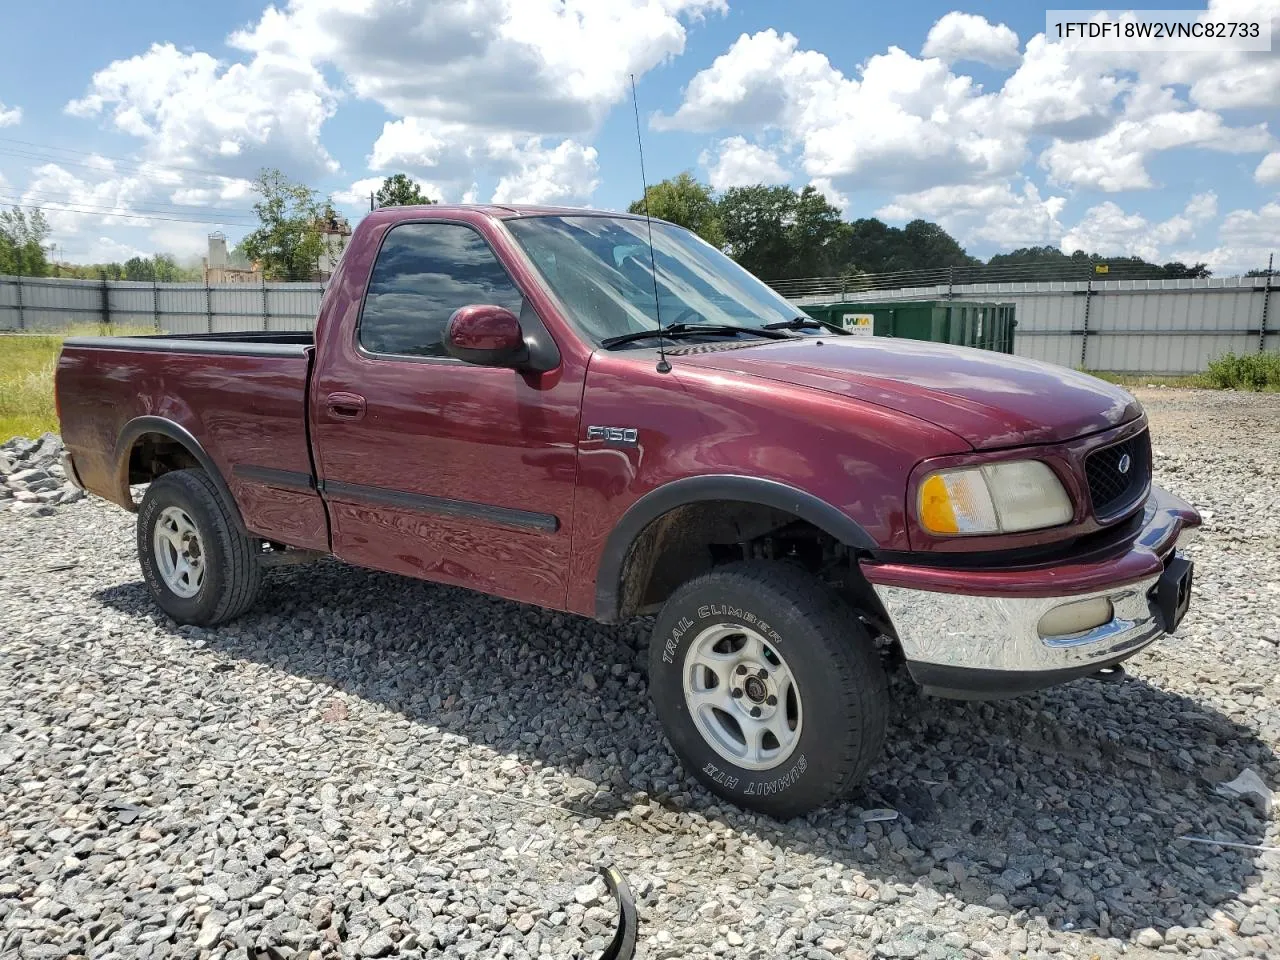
x=199 y=566
x=769 y=688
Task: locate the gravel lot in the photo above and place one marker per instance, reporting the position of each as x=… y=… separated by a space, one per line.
x=374 y=766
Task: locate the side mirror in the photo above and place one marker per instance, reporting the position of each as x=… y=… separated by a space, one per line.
x=487 y=335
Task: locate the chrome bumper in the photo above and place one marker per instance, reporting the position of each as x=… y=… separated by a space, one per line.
x=969 y=645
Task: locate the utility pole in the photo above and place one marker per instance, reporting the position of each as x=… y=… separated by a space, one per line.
x=371 y=201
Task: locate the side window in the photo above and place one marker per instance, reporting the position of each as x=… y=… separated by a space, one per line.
x=423 y=273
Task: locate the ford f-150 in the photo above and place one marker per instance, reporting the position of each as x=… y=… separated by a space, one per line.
x=489 y=401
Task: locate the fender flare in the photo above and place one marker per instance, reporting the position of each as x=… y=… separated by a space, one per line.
x=138 y=426
x=679 y=493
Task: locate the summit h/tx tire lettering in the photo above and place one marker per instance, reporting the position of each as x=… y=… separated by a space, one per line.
x=768 y=686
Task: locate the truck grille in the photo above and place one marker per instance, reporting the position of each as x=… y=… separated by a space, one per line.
x=1111 y=489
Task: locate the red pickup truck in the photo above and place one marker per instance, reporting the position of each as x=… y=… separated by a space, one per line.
x=486 y=402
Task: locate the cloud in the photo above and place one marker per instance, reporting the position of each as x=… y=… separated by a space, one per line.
x=236 y=192
x=1249 y=236
x=9 y=116
x=1246 y=238
x=526 y=168
x=192 y=110
x=357 y=195
x=966 y=36
x=521 y=67
x=450 y=151
x=994 y=213
x=1109 y=230
x=567 y=173
x=907 y=124
x=93 y=216
x=1117 y=160
x=1269 y=169
x=738 y=163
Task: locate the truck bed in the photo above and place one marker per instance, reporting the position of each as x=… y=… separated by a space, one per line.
x=285 y=343
x=240 y=398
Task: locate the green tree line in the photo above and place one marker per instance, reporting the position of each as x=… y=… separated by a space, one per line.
x=779 y=233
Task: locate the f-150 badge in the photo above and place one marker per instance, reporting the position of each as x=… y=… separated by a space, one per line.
x=627 y=435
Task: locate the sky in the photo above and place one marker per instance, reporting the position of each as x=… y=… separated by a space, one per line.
x=136 y=127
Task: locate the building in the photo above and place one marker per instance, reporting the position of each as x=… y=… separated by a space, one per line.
x=335 y=234
x=227 y=266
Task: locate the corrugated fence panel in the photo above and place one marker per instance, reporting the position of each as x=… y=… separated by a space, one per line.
x=49 y=304
x=237 y=307
x=9 y=316
x=132 y=303
x=1134 y=326
x=183 y=308
x=293 y=306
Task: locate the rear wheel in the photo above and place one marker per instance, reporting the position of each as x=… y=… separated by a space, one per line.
x=769 y=688
x=200 y=568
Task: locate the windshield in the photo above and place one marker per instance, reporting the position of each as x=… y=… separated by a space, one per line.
x=599 y=268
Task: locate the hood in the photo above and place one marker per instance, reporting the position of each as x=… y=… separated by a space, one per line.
x=991 y=400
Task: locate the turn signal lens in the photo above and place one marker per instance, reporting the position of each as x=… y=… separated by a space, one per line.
x=1000 y=498
x=957 y=501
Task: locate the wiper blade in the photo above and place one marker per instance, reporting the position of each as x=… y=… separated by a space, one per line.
x=805 y=323
x=691 y=329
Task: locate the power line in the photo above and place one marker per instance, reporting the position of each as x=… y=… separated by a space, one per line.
x=124 y=215
x=152 y=206
x=139 y=171
x=124 y=160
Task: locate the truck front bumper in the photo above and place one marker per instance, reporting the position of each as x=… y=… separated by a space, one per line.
x=980 y=634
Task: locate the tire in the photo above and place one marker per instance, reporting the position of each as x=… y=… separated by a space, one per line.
x=222 y=562
x=830 y=720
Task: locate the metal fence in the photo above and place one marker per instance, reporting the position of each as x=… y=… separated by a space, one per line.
x=1126 y=326
x=1133 y=326
x=37 y=304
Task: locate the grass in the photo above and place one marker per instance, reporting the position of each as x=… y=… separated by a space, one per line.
x=1254 y=371
x=1186 y=381
x=1250 y=371
x=26 y=378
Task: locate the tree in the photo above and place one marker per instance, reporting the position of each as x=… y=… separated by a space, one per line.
x=876 y=247
x=1177 y=270
x=819 y=238
x=754 y=220
x=22 y=237
x=779 y=234
x=400 y=191
x=1055 y=264
x=137 y=268
x=933 y=247
x=683 y=200
x=161 y=267
x=288 y=243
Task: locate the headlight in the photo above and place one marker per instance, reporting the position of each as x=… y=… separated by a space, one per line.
x=997 y=498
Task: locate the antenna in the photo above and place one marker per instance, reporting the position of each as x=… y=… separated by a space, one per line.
x=663 y=365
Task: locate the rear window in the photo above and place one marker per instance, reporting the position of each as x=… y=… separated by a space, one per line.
x=424 y=272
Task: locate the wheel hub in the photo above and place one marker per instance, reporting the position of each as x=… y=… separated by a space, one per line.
x=742 y=696
x=179 y=552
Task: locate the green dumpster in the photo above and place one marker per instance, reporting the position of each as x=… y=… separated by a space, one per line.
x=969 y=323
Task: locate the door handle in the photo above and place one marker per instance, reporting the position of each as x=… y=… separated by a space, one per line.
x=345 y=406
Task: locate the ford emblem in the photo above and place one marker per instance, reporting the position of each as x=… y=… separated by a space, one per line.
x=1125 y=463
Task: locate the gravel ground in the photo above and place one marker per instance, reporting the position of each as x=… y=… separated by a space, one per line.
x=372 y=766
